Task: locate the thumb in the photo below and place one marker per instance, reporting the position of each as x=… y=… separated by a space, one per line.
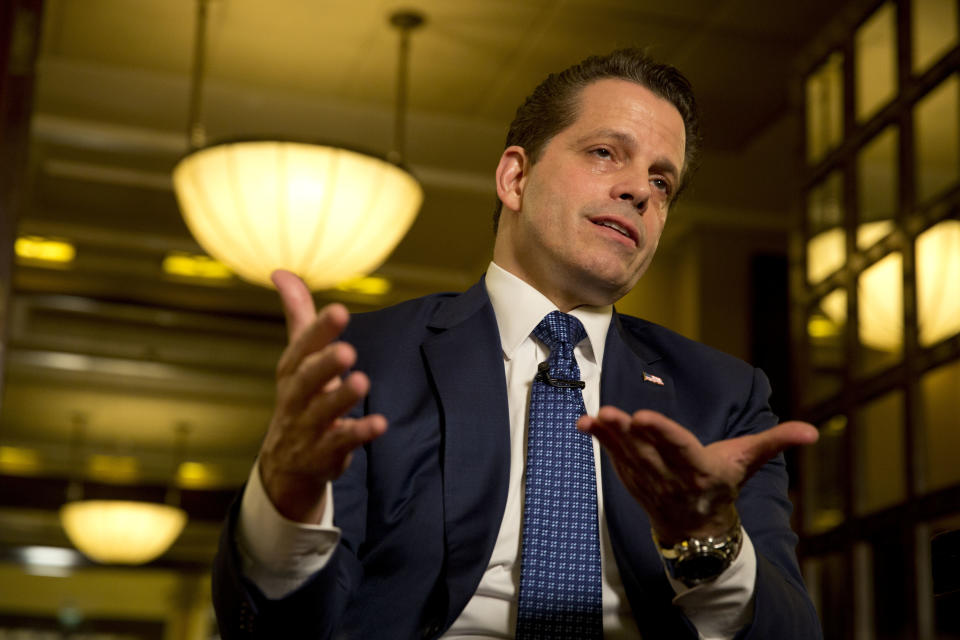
x=762 y=446
x=297 y=302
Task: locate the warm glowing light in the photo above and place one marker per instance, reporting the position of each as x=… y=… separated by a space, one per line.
x=19 y=461
x=188 y=265
x=327 y=214
x=835 y=426
x=825 y=519
x=938 y=282
x=121 y=532
x=198 y=475
x=821 y=327
x=44 y=249
x=117 y=469
x=881 y=285
x=881 y=304
x=828 y=323
x=827 y=251
x=369 y=286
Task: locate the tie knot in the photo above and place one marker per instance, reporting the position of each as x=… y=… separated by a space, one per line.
x=558 y=328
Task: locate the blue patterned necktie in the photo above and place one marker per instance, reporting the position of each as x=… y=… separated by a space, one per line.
x=560 y=592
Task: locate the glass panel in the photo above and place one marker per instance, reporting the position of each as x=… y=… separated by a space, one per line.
x=825 y=107
x=937 y=126
x=825 y=326
x=945 y=564
x=889 y=556
x=822 y=478
x=875 y=51
x=877 y=186
x=879 y=447
x=934 y=31
x=863 y=606
x=828 y=581
x=939 y=390
x=880 y=289
x=938 y=282
x=826 y=249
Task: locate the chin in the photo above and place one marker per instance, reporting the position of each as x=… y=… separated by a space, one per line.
x=598 y=292
x=608 y=283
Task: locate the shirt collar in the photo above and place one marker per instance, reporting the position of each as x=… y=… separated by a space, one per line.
x=520 y=308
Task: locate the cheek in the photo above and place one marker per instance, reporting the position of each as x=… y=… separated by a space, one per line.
x=658 y=221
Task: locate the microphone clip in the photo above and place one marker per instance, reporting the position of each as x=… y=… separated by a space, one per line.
x=543 y=375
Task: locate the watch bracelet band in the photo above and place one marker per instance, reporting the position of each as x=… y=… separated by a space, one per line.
x=696 y=560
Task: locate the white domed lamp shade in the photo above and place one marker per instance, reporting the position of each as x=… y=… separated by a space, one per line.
x=120 y=531
x=324 y=213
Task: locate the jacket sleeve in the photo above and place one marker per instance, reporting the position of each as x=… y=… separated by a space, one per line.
x=782 y=607
x=316 y=609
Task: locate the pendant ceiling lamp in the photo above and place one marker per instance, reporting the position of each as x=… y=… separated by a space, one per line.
x=122 y=531
x=325 y=213
x=119 y=531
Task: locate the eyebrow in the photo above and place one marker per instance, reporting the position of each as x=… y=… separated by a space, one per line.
x=662 y=164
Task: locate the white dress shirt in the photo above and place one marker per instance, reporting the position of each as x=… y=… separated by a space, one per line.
x=279 y=555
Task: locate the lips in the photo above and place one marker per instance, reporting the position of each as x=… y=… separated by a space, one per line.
x=621 y=226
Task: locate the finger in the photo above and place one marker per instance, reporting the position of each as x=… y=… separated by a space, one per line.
x=663 y=431
x=325 y=408
x=608 y=428
x=607 y=418
x=756 y=449
x=350 y=433
x=319 y=372
x=680 y=449
x=297 y=302
x=675 y=447
x=611 y=427
x=332 y=384
x=325 y=327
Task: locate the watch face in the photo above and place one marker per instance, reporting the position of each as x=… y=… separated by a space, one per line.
x=701 y=567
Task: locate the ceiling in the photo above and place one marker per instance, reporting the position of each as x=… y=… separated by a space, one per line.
x=132 y=355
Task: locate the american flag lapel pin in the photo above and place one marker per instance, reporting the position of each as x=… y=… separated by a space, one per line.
x=649 y=377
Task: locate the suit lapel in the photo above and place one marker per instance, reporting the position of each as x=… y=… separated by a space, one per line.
x=625 y=383
x=465 y=361
x=476 y=450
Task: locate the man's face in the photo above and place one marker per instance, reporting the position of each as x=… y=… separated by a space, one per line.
x=582 y=224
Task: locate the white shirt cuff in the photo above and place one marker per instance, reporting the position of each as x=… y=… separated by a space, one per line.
x=278 y=554
x=721 y=607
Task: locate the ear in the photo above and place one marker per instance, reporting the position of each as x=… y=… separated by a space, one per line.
x=512 y=176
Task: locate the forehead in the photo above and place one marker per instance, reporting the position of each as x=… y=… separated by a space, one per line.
x=621 y=105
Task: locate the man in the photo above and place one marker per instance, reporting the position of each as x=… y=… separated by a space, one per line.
x=431 y=530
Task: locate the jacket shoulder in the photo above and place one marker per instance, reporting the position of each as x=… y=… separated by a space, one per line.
x=663 y=343
x=405 y=323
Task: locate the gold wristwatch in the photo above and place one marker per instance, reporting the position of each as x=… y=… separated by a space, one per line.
x=697 y=560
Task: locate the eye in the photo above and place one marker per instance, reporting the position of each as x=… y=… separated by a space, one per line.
x=602 y=152
x=660 y=184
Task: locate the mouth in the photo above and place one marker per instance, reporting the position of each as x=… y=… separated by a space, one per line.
x=621 y=226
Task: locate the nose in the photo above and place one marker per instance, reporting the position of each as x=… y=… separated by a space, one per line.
x=634 y=189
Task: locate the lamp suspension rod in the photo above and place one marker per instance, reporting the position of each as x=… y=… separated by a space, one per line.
x=196 y=135
x=182 y=430
x=75 y=484
x=404 y=21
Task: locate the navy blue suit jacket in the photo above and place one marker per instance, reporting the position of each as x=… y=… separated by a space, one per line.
x=420 y=507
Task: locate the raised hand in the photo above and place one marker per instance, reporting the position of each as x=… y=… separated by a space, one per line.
x=687 y=489
x=309 y=442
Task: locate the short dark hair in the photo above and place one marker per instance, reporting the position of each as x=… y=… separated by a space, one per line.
x=553 y=106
